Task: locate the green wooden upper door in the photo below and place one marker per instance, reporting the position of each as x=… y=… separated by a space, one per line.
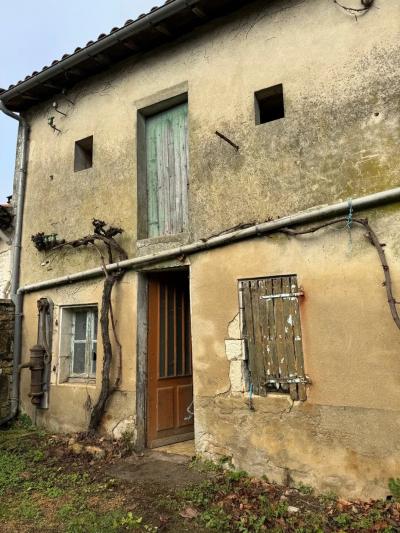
x=167 y=171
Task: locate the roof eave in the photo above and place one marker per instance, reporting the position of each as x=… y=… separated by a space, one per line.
x=22 y=96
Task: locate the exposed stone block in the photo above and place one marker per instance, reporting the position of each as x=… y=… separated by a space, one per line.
x=234 y=349
x=234 y=328
x=237 y=376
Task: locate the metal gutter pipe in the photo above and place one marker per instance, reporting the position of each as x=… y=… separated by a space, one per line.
x=305 y=217
x=17 y=297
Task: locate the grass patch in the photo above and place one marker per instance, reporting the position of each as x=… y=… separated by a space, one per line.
x=44 y=487
x=41 y=492
x=11 y=468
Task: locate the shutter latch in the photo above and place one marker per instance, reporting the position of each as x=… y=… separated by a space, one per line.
x=305 y=380
x=283 y=295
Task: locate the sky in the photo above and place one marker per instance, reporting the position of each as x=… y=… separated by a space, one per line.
x=34 y=33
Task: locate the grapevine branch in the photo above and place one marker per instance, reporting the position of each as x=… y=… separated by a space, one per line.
x=103 y=234
x=373 y=238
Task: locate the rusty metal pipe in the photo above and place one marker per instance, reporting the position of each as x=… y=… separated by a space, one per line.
x=36 y=366
x=24 y=365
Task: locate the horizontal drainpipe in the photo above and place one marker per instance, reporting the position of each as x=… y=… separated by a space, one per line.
x=305 y=217
x=16 y=295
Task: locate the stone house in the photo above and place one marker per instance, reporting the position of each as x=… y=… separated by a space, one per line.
x=211 y=132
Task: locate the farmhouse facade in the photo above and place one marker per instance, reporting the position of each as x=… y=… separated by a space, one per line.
x=210 y=133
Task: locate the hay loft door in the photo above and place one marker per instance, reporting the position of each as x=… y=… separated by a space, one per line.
x=170 y=382
x=167 y=172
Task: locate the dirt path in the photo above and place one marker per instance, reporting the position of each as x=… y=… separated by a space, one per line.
x=168 y=471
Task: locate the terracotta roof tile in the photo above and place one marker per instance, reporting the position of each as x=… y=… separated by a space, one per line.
x=90 y=43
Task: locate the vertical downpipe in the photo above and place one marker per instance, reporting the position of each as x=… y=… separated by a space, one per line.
x=16 y=295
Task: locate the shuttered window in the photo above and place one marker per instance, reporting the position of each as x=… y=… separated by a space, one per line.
x=272 y=331
x=167 y=171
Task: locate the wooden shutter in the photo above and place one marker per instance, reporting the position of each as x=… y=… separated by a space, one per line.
x=272 y=330
x=167 y=171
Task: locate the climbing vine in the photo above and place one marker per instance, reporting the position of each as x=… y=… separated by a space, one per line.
x=374 y=240
x=103 y=234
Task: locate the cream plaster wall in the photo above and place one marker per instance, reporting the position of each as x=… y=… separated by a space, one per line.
x=344 y=437
x=68 y=405
x=339 y=138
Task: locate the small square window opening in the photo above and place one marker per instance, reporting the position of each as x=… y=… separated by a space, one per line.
x=83 y=154
x=269 y=104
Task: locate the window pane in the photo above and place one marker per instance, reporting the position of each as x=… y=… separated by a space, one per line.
x=95 y=320
x=162 y=331
x=80 y=325
x=78 y=366
x=93 y=359
x=171 y=332
x=179 y=332
x=188 y=339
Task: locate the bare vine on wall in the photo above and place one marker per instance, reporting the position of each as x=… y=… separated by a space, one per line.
x=374 y=240
x=103 y=234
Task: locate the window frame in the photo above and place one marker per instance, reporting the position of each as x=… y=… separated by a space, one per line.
x=269 y=101
x=68 y=325
x=83 y=154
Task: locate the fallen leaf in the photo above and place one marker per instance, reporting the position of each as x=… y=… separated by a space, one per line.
x=344 y=503
x=189 y=513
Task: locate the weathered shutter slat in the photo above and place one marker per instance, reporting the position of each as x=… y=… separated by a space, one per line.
x=258 y=339
x=171 y=177
x=167 y=176
x=265 y=333
x=273 y=356
x=152 y=179
x=184 y=167
x=288 y=310
x=164 y=180
x=280 y=331
x=297 y=341
x=178 y=182
x=249 y=335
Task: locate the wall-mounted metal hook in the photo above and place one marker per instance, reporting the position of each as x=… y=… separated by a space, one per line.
x=50 y=122
x=224 y=138
x=64 y=93
x=55 y=106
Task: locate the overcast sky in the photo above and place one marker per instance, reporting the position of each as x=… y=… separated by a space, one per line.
x=34 y=33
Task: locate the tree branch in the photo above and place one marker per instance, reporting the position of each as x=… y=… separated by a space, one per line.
x=373 y=238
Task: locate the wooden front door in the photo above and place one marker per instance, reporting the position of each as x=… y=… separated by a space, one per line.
x=170 y=382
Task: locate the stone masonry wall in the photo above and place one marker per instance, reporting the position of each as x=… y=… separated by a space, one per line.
x=6 y=353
